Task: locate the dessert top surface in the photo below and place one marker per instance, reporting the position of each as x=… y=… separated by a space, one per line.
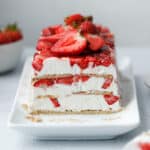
x=78 y=38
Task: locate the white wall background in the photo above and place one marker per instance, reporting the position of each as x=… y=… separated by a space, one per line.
x=128 y=19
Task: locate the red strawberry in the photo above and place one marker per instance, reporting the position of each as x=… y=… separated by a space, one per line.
x=107 y=82
x=52 y=38
x=144 y=146
x=59 y=29
x=53 y=30
x=99 y=28
x=74 y=19
x=41 y=82
x=46 y=53
x=111 y=99
x=88 y=27
x=105 y=60
x=71 y=44
x=47 y=31
x=84 y=78
x=37 y=62
x=105 y=30
x=96 y=42
x=55 y=101
x=3 y=38
x=43 y=45
x=10 y=33
x=65 y=80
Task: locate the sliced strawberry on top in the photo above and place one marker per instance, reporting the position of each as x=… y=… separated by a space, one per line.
x=53 y=30
x=88 y=27
x=75 y=18
x=71 y=44
x=96 y=42
x=52 y=38
x=43 y=45
x=111 y=99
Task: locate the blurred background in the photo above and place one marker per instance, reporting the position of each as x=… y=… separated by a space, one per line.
x=128 y=19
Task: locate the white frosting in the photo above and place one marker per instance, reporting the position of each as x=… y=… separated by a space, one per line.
x=92 y=83
x=55 y=65
x=75 y=103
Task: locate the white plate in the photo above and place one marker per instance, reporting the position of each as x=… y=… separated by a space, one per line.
x=79 y=126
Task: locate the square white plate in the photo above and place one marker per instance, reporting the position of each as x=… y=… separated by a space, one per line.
x=99 y=126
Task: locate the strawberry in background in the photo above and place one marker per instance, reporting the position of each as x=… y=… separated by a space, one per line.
x=10 y=33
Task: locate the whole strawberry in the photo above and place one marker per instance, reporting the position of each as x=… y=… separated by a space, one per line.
x=10 y=33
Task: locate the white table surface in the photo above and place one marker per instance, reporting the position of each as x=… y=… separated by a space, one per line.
x=11 y=140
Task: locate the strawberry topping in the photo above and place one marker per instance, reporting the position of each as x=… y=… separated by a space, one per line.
x=111 y=99
x=96 y=42
x=74 y=19
x=88 y=27
x=80 y=39
x=71 y=44
x=37 y=62
x=43 y=45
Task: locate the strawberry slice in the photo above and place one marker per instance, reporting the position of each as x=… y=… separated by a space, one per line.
x=111 y=99
x=88 y=27
x=55 y=101
x=43 y=45
x=52 y=38
x=84 y=78
x=96 y=42
x=107 y=82
x=74 y=19
x=53 y=30
x=41 y=82
x=37 y=62
x=71 y=44
x=65 y=80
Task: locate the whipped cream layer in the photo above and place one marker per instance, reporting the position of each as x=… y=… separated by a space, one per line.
x=92 y=83
x=54 y=65
x=75 y=103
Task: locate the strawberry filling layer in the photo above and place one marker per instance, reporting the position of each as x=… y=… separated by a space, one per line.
x=62 y=80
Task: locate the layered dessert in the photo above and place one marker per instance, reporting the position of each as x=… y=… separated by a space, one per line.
x=74 y=69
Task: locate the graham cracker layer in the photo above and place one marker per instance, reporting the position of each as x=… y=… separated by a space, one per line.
x=88 y=112
x=91 y=92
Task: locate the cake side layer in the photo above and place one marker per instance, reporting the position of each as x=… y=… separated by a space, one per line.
x=64 y=89
x=74 y=103
x=55 y=65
